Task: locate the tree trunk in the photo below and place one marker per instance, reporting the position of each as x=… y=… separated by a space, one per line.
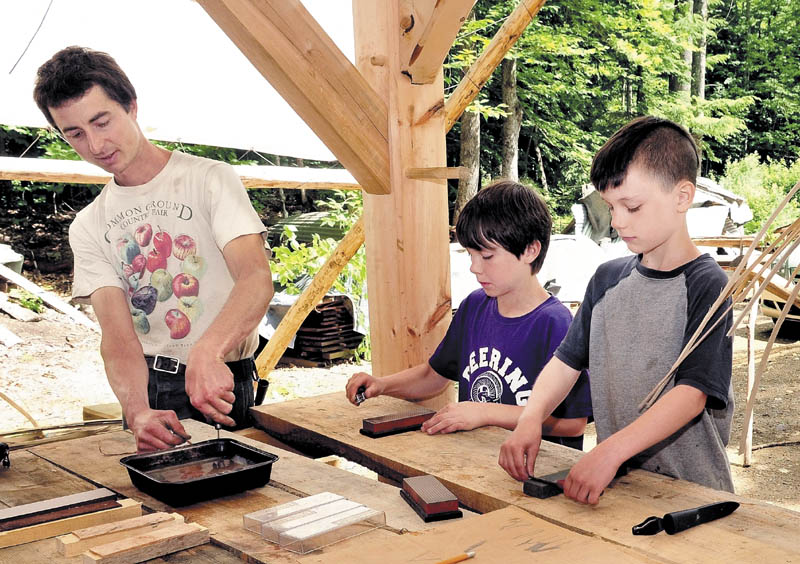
x=682 y=82
x=509 y=167
x=281 y=193
x=303 y=193
x=540 y=165
x=700 y=9
x=470 y=158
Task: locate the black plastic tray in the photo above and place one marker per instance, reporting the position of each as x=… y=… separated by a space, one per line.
x=206 y=470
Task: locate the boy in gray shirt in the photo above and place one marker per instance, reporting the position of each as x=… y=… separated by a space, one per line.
x=636 y=317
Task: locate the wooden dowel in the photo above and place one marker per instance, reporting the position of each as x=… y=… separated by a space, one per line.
x=308 y=300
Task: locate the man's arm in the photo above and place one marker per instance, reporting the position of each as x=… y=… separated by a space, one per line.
x=128 y=374
x=209 y=382
x=595 y=470
x=518 y=452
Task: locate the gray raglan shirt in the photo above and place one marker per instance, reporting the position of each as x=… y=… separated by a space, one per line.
x=629 y=330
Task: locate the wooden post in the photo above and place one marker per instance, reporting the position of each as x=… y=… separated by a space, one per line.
x=408 y=261
x=321 y=283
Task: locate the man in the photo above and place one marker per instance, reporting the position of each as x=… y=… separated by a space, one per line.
x=171 y=256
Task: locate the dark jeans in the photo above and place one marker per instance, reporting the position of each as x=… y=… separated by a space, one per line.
x=168 y=391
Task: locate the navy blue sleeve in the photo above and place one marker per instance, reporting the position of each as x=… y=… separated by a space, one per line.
x=708 y=368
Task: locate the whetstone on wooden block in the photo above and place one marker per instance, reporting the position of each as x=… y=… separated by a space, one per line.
x=82 y=539
x=128 y=508
x=545 y=486
x=408 y=420
x=56 y=508
x=150 y=545
x=430 y=498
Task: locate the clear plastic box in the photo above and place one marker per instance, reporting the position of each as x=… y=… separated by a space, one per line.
x=272 y=530
x=254 y=521
x=333 y=528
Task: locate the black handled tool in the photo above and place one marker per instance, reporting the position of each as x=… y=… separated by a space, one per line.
x=678 y=521
x=360 y=395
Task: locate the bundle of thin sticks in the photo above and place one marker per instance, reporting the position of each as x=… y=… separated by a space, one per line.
x=749 y=279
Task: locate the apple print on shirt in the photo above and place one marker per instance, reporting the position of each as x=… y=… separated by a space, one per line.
x=144 y=264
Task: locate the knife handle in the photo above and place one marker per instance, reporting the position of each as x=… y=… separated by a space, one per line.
x=678 y=521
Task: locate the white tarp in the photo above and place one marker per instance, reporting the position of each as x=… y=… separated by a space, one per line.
x=193 y=84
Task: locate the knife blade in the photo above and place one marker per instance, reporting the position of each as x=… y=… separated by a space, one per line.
x=678 y=521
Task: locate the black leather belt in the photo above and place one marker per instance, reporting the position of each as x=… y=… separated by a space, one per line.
x=171 y=365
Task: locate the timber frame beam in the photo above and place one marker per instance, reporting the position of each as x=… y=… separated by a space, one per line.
x=431 y=35
x=292 y=51
x=482 y=68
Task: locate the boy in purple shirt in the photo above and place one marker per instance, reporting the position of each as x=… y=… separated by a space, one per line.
x=503 y=334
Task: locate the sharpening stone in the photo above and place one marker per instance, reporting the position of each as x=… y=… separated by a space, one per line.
x=544 y=486
x=430 y=498
x=408 y=420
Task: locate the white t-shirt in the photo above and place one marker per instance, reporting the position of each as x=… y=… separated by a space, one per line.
x=161 y=243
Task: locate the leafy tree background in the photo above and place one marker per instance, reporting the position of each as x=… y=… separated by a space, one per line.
x=584 y=68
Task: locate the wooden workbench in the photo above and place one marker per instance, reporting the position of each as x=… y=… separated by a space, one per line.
x=511 y=535
x=68 y=467
x=467 y=464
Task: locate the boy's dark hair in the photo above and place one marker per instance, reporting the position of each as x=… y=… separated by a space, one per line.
x=661 y=146
x=508 y=214
x=71 y=72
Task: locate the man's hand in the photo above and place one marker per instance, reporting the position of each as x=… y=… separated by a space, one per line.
x=209 y=384
x=518 y=452
x=156 y=429
x=593 y=472
x=372 y=386
x=462 y=416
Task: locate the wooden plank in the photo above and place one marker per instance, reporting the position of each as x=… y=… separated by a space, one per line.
x=128 y=508
x=305 y=303
x=17 y=311
x=509 y=535
x=483 y=67
x=48 y=297
x=291 y=50
x=252 y=176
x=466 y=463
x=31 y=478
x=111 y=410
x=430 y=40
x=8 y=337
x=148 y=545
x=77 y=541
x=409 y=290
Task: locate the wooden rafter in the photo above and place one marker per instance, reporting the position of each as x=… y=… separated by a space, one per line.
x=428 y=37
x=253 y=176
x=292 y=51
x=482 y=68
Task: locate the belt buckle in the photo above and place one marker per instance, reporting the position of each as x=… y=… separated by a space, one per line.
x=172 y=364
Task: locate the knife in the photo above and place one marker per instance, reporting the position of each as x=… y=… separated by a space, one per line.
x=678 y=521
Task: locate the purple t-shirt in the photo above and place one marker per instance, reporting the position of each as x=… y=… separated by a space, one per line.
x=497 y=359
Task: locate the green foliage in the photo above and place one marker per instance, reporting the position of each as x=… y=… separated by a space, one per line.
x=27 y=300
x=294 y=264
x=764 y=185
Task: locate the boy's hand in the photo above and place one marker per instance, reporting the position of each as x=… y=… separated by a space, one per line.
x=518 y=452
x=589 y=477
x=462 y=416
x=372 y=386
